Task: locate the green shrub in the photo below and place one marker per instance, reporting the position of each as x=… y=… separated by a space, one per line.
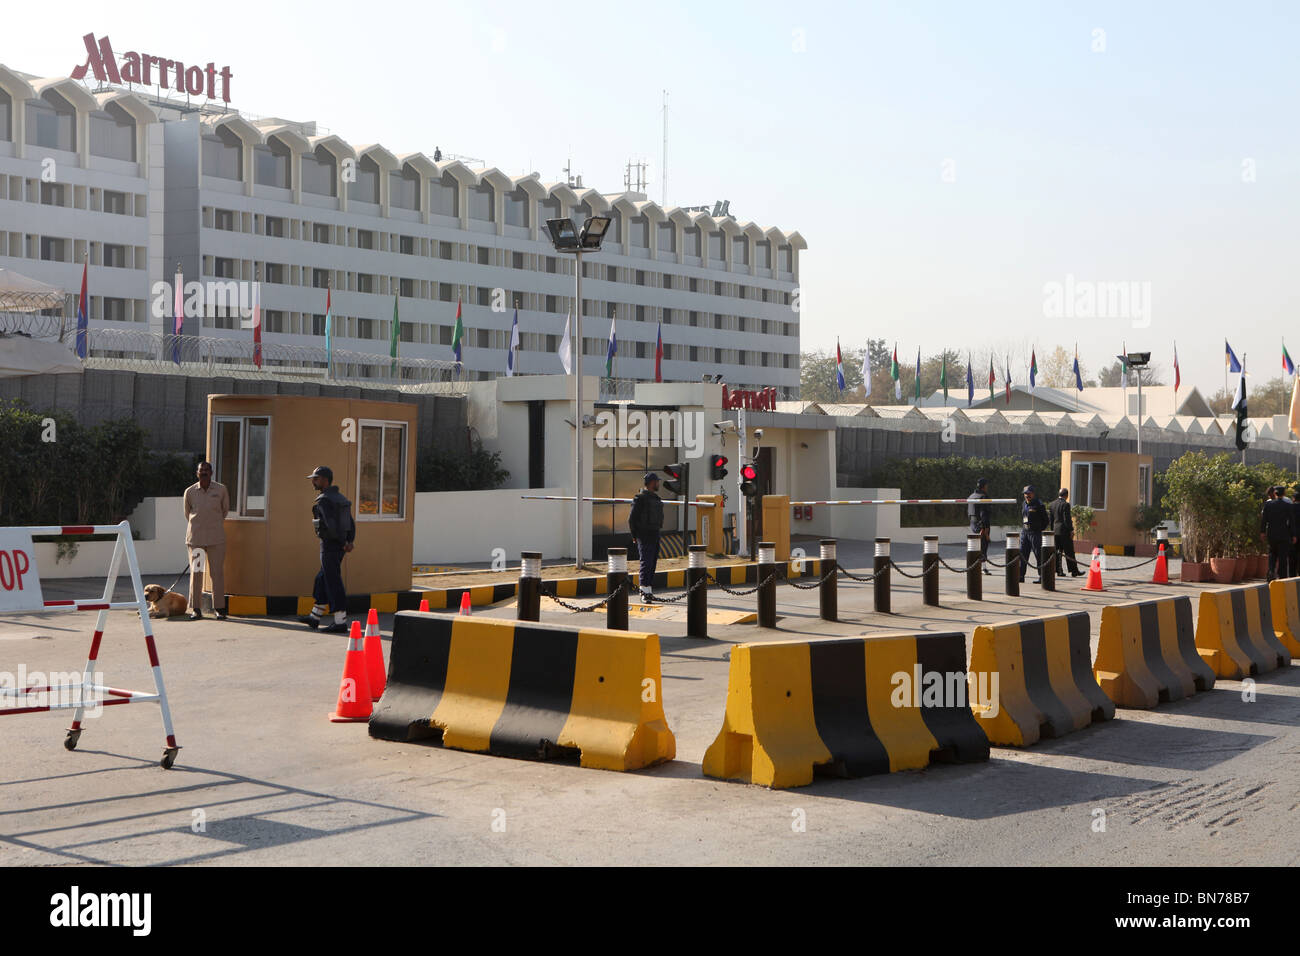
x=456 y=469
x=956 y=477
x=1217 y=502
x=1082 y=517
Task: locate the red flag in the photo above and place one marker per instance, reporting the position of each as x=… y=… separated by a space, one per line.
x=659 y=353
x=1177 y=376
x=257 y=324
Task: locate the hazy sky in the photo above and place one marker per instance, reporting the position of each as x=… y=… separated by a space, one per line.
x=944 y=161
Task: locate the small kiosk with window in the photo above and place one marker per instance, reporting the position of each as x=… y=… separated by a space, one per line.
x=262 y=447
x=1113 y=484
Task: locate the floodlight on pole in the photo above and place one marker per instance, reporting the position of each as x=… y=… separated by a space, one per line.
x=1139 y=361
x=566 y=238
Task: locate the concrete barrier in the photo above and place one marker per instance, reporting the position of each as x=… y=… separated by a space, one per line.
x=1147 y=653
x=1234 y=632
x=1284 y=600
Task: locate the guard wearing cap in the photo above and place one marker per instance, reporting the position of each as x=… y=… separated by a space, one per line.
x=644 y=521
x=1063 y=532
x=331 y=517
x=1033 y=520
x=981 y=516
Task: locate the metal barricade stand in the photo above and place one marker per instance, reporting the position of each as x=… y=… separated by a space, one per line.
x=26 y=598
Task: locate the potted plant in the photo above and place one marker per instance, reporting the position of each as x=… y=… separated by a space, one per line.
x=1084 y=520
x=1145 y=519
x=1191 y=482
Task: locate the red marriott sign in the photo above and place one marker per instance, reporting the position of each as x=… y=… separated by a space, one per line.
x=763 y=399
x=139 y=68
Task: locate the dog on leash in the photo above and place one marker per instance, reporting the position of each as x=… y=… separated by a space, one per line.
x=164 y=603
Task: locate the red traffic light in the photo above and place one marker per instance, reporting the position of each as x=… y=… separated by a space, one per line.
x=749 y=472
x=674 y=470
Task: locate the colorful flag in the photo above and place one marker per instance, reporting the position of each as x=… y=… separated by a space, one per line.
x=83 y=314
x=1295 y=407
x=1078 y=375
x=1008 y=379
x=566 y=346
x=992 y=378
x=257 y=324
x=943 y=376
x=1287 y=365
x=1239 y=403
x=512 y=351
x=611 y=350
x=918 y=375
x=329 y=333
x=866 y=370
x=178 y=310
x=839 y=367
x=893 y=373
x=659 y=352
x=1239 y=394
x=970 y=382
x=1033 y=370
x=394 y=334
x=457 y=335
x=1178 y=377
x=1230 y=358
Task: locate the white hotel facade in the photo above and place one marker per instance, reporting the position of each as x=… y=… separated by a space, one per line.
x=137 y=185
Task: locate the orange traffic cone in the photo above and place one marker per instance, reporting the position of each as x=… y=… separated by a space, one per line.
x=1162 y=568
x=1094 y=572
x=354 y=690
x=424 y=605
x=464 y=602
x=375 y=656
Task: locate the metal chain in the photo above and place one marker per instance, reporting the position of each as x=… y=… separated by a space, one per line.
x=1129 y=567
x=737 y=593
x=592 y=607
x=673 y=600
x=969 y=567
x=902 y=572
x=865 y=580
x=816 y=584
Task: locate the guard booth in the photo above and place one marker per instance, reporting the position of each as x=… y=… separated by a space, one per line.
x=1113 y=484
x=262 y=447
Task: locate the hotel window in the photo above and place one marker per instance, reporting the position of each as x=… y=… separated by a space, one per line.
x=365 y=328
x=695 y=353
x=483 y=256
x=551 y=305
x=668 y=316
x=482 y=203
x=484 y=295
x=445 y=251
x=271 y=165
x=695 y=285
x=320 y=232
x=273 y=320
x=318 y=325
x=320 y=173
x=223 y=219
x=406 y=245
x=223 y=155
x=115 y=310
x=365 y=239
x=640 y=313
x=611 y=273
x=366 y=186
x=783 y=258
x=640 y=349
x=550 y=264
x=406 y=288
x=715 y=245
x=516 y=260
x=365 y=282
x=6 y=116
x=274 y=271
x=53 y=194
x=667 y=237
x=407 y=331
x=640 y=277
x=275 y=226
x=112 y=134
x=52 y=249
x=740 y=250
x=444 y=197
x=446 y=292
x=444 y=334
x=691 y=241
x=52 y=122
x=114 y=256
x=320 y=278
x=639 y=232
x=517 y=206
x=404 y=188
x=1089 y=486
x=242 y=462
x=763 y=254
x=695 y=319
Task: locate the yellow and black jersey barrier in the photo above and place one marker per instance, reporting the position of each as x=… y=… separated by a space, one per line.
x=520 y=689
x=1147 y=653
x=1045 y=685
x=844 y=706
x=1234 y=632
x=1284 y=599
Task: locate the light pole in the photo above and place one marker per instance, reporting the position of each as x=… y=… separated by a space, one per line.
x=567 y=239
x=1139 y=361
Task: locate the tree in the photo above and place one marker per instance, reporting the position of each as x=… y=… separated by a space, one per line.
x=817 y=377
x=1112 y=377
x=1263 y=400
x=1058 y=369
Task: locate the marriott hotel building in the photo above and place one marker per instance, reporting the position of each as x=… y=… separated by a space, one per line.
x=135 y=185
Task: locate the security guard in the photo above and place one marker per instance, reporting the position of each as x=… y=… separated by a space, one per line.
x=980 y=515
x=331 y=517
x=1063 y=532
x=1277 y=528
x=1033 y=520
x=644 y=521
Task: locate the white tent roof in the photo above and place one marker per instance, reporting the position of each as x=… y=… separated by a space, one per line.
x=18 y=293
x=23 y=355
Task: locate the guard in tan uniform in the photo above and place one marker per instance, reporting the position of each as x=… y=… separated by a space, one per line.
x=206 y=505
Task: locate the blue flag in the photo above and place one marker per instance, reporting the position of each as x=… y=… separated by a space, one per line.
x=839 y=367
x=1078 y=377
x=1230 y=357
x=970 y=383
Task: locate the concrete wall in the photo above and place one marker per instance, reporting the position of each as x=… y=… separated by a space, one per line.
x=453 y=526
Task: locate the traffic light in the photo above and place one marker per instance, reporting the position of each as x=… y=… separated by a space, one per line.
x=676 y=480
x=717 y=467
x=749 y=483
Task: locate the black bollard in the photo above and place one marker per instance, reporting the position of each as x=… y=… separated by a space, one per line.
x=1013 y=565
x=930 y=570
x=529 y=605
x=974 y=568
x=616 y=586
x=881 y=583
x=828 y=598
x=697 y=602
x=1047 y=559
x=766 y=588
